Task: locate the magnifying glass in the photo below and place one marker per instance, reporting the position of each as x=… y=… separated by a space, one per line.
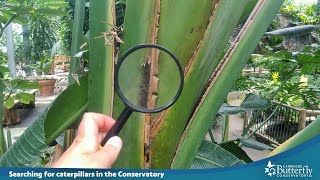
x=134 y=83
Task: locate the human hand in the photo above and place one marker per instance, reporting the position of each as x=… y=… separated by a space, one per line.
x=85 y=151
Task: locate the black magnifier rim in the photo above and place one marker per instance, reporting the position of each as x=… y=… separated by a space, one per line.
x=126 y=101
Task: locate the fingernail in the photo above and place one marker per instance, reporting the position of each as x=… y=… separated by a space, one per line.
x=88 y=117
x=88 y=124
x=115 y=141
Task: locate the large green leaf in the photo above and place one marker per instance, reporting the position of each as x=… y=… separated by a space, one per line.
x=247 y=11
x=233 y=148
x=56 y=118
x=304 y=58
x=3 y=20
x=136 y=32
x=24 y=84
x=101 y=56
x=26 y=151
x=251 y=143
x=21 y=20
x=209 y=41
x=251 y=102
x=51 y=12
x=66 y=109
x=9 y=103
x=230 y=110
x=53 y=3
x=216 y=93
x=294 y=31
x=24 y=10
x=4 y=69
x=255 y=102
x=9 y=138
x=214 y=156
x=25 y=98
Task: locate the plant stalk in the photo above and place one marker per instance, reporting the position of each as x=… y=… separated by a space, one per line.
x=2 y=139
x=211 y=135
x=77 y=33
x=100 y=89
x=236 y=59
x=225 y=132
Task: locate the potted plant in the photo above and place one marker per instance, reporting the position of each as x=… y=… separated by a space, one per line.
x=17 y=94
x=47 y=84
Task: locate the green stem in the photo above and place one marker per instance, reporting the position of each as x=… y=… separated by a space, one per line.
x=2 y=139
x=10 y=93
x=77 y=34
x=211 y=135
x=223 y=83
x=225 y=129
x=101 y=55
x=1 y=31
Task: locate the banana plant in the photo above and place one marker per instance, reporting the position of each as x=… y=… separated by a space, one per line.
x=198 y=34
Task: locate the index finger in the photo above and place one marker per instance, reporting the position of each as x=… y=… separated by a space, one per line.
x=104 y=122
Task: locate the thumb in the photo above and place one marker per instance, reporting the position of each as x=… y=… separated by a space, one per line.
x=111 y=150
x=87 y=134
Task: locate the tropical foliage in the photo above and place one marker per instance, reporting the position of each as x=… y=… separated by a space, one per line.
x=288 y=55
x=199 y=35
x=21 y=12
x=301 y=14
x=292 y=78
x=208 y=42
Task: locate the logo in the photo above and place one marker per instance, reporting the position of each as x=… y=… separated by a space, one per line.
x=270 y=170
x=273 y=170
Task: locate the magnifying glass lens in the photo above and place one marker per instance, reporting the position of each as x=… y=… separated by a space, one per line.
x=149 y=79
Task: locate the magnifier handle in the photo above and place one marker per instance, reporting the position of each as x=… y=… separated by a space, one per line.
x=116 y=128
